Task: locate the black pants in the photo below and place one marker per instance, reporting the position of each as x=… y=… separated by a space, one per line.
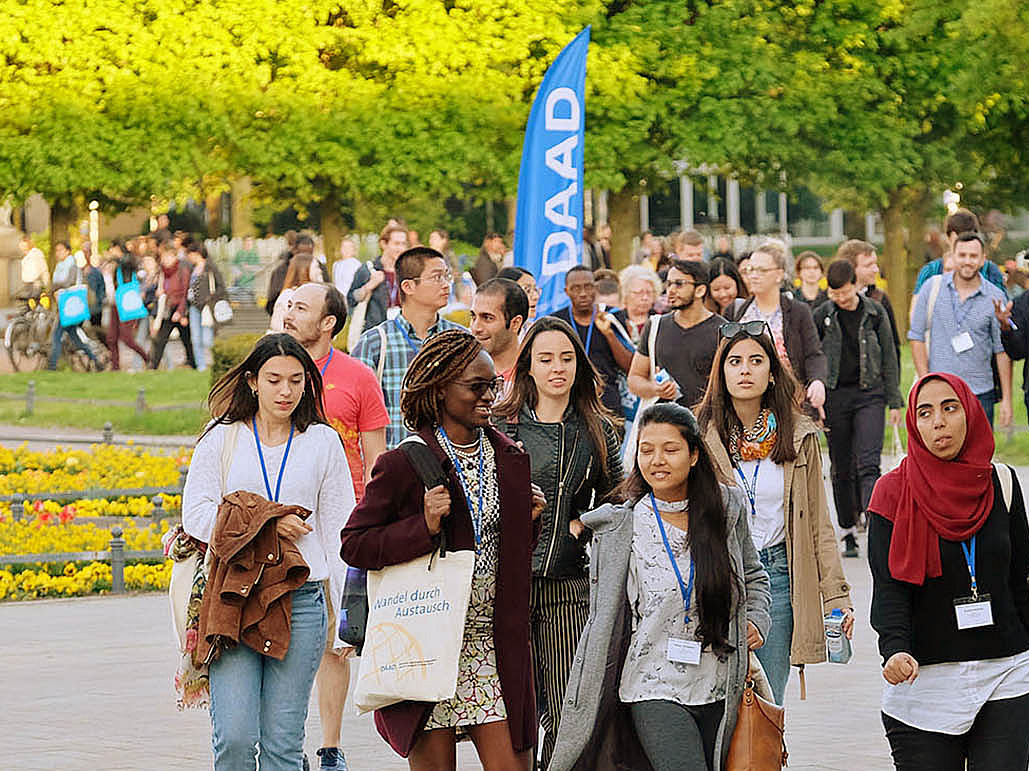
x=678 y=738
x=998 y=739
x=855 y=421
x=161 y=340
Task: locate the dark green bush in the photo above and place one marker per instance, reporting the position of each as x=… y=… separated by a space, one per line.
x=230 y=351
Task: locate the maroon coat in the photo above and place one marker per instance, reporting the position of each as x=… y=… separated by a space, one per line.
x=388 y=527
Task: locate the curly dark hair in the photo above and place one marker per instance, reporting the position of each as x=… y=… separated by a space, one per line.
x=441 y=360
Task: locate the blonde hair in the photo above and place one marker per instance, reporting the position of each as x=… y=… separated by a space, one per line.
x=775 y=249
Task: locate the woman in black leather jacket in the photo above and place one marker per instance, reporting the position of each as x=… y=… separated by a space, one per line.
x=553 y=411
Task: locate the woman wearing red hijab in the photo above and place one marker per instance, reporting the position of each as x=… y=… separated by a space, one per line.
x=950 y=561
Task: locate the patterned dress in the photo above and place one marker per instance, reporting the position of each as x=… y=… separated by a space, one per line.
x=478 y=699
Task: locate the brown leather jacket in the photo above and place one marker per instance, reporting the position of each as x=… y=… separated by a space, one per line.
x=252 y=572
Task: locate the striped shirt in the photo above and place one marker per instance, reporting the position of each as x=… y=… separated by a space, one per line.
x=951 y=318
x=402 y=344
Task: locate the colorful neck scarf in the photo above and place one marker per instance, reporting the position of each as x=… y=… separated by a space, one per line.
x=756 y=442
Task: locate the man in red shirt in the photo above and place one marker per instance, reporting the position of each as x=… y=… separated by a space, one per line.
x=355 y=407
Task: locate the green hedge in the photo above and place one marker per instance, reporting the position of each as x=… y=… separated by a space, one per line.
x=230 y=351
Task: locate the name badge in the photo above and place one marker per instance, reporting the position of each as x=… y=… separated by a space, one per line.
x=973 y=612
x=682 y=651
x=962 y=342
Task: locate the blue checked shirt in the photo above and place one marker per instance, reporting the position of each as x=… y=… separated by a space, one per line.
x=402 y=345
x=950 y=318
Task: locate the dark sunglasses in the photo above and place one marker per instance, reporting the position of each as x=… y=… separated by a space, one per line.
x=733 y=329
x=480 y=387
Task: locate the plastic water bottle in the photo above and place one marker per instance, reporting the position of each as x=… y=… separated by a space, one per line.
x=836 y=641
x=661 y=376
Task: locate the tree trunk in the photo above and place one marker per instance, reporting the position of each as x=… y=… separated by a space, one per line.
x=623 y=215
x=511 y=204
x=332 y=229
x=242 y=209
x=491 y=224
x=895 y=260
x=213 y=207
x=62 y=219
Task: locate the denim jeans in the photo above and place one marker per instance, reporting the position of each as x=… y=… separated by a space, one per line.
x=258 y=701
x=988 y=400
x=774 y=655
x=202 y=337
x=76 y=336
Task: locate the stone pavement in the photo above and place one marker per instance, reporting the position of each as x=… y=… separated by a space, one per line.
x=88 y=687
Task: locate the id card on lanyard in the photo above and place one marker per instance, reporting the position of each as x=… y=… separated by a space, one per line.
x=680 y=650
x=757 y=536
x=974 y=611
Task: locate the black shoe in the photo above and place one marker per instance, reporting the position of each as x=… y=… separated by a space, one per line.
x=850 y=547
x=332 y=759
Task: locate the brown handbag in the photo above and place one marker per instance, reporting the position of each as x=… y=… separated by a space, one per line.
x=758 y=743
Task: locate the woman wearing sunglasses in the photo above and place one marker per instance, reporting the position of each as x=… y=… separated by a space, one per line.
x=488 y=505
x=553 y=411
x=759 y=438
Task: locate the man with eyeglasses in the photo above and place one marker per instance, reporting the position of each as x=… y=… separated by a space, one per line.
x=789 y=320
x=609 y=353
x=423 y=283
x=687 y=337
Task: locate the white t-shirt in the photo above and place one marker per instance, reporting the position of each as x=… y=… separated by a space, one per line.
x=343 y=273
x=768 y=524
x=316 y=476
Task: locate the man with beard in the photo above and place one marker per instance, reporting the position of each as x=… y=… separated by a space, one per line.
x=499 y=311
x=687 y=337
x=354 y=406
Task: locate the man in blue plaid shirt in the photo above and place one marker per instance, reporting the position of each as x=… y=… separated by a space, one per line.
x=424 y=280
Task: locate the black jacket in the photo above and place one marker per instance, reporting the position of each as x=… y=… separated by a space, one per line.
x=878 y=358
x=802 y=343
x=566 y=467
x=920 y=620
x=378 y=303
x=1016 y=341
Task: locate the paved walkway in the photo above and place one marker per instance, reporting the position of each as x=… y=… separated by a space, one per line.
x=42 y=438
x=87 y=686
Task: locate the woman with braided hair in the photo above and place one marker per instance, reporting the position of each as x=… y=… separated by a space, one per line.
x=488 y=505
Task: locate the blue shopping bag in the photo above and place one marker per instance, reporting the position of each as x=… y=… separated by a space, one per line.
x=128 y=299
x=73 y=305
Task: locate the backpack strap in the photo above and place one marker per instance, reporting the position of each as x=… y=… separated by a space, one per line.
x=1004 y=475
x=429 y=469
x=655 y=324
x=382 y=352
x=934 y=292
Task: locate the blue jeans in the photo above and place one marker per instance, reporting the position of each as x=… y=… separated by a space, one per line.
x=76 y=335
x=258 y=701
x=774 y=655
x=987 y=400
x=202 y=338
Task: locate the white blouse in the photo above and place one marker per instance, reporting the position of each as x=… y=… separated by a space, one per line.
x=946 y=698
x=316 y=476
x=768 y=524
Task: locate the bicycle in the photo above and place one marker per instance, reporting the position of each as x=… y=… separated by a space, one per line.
x=27 y=338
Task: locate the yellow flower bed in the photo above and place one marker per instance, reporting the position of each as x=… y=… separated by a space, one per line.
x=94 y=578
x=38 y=537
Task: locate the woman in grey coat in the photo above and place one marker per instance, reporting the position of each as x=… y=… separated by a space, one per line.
x=678 y=597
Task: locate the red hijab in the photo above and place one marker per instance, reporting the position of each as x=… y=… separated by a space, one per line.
x=927 y=498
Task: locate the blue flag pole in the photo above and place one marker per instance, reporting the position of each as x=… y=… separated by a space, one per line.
x=548 y=227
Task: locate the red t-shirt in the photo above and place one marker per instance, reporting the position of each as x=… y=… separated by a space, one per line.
x=353 y=404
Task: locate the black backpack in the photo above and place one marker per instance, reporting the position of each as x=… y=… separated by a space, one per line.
x=353 y=612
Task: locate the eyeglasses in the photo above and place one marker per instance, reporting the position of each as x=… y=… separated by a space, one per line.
x=758 y=271
x=733 y=329
x=678 y=283
x=480 y=387
x=437 y=278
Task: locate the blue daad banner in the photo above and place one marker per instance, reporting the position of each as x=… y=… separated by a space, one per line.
x=548 y=228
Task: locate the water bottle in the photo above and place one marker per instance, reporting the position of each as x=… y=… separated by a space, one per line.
x=836 y=641
x=661 y=376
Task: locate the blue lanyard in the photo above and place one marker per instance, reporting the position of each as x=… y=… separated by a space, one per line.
x=476 y=516
x=407 y=337
x=685 y=589
x=589 y=333
x=264 y=470
x=751 y=490
x=325 y=366
x=970 y=561
x=960 y=318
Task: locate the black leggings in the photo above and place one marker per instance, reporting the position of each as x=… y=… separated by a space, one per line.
x=998 y=739
x=677 y=738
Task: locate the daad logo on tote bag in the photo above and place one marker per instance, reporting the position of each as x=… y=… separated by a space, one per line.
x=73 y=305
x=128 y=298
x=415 y=629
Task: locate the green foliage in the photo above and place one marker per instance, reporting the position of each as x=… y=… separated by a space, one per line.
x=227 y=352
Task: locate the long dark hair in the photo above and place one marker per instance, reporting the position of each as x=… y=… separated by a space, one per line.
x=722 y=266
x=585 y=388
x=231 y=399
x=441 y=360
x=781 y=397
x=717 y=583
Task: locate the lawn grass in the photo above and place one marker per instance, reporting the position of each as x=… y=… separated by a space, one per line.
x=185 y=388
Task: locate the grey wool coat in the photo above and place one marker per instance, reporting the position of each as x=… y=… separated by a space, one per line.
x=596 y=732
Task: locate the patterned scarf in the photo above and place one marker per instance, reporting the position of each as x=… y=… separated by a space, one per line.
x=192 y=684
x=755 y=443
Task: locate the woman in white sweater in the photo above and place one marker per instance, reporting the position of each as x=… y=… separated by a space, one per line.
x=269 y=437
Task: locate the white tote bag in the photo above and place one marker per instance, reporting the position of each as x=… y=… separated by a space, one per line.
x=629 y=450
x=416 y=617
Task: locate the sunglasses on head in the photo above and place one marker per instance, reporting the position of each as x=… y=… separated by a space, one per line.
x=733 y=329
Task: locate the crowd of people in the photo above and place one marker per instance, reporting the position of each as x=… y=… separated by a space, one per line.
x=640 y=480
x=170 y=274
